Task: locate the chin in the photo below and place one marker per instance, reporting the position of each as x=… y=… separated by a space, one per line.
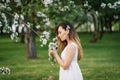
x=62 y=39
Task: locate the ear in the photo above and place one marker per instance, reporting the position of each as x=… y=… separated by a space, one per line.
x=67 y=31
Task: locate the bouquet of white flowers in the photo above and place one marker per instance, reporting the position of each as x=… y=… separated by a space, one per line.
x=53 y=46
x=4 y=70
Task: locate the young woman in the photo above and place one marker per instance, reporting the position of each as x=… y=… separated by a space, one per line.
x=71 y=52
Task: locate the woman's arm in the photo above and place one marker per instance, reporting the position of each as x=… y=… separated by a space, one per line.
x=70 y=51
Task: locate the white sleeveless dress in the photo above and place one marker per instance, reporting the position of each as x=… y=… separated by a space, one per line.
x=73 y=72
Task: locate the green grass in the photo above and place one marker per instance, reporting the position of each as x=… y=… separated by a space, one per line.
x=101 y=60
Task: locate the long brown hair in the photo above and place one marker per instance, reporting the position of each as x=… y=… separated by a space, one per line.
x=72 y=36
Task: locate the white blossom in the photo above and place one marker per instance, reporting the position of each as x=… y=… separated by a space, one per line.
x=16 y=16
x=46 y=34
x=14 y=28
x=40 y=14
x=28 y=24
x=86 y=4
x=38 y=26
x=71 y=2
x=44 y=41
x=22 y=17
x=53 y=46
x=0 y=23
x=115 y=16
x=118 y=2
x=47 y=22
x=41 y=45
x=114 y=6
x=103 y=5
x=7 y=1
x=5 y=70
x=20 y=28
x=47 y=2
x=65 y=8
x=25 y=29
x=18 y=2
x=110 y=5
x=4 y=17
x=44 y=37
x=14 y=35
x=9 y=9
x=2 y=6
x=7 y=27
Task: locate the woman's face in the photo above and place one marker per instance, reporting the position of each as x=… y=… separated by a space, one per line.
x=62 y=33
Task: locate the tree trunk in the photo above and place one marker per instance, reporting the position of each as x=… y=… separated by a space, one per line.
x=95 y=33
x=1 y=30
x=30 y=45
x=22 y=36
x=119 y=26
x=110 y=24
x=101 y=26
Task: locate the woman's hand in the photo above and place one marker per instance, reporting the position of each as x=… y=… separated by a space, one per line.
x=52 y=52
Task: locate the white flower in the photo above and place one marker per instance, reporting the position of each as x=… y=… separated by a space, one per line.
x=22 y=17
x=14 y=36
x=55 y=39
x=118 y=2
x=110 y=5
x=16 y=16
x=53 y=46
x=20 y=28
x=28 y=24
x=40 y=14
x=103 y=5
x=44 y=37
x=46 y=34
x=0 y=23
x=9 y=9
x=116 y=16
x=3 y=15
x=47 y=22
x=38 y=26
x=66 y=8
x=2 y=6
x=68 y=27
x=14 y=28
x=16 y=40
x=47 y=2
x=44 y=41
x=4 y=70
x=71 y=2
x=41 y=45
x=86 y=4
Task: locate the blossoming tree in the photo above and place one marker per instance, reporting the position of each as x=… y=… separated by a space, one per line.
x=28 y=16
x=103 y=13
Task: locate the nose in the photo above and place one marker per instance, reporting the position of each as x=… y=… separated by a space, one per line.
x=59 y=35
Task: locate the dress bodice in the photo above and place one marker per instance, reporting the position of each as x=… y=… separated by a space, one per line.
x=75 y=55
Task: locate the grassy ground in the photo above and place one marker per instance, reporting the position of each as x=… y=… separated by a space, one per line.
x=101 y=60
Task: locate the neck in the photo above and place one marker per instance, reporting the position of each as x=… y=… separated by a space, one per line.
x=69 y=41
